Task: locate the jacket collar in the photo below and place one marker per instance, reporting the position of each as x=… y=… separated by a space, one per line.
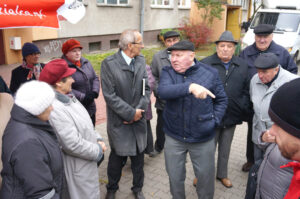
x=216 y=60
x=253 y=50
x=65 y=99
x=83 y=61
x=21 y=115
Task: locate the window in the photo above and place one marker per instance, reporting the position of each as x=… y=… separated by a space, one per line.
x=114 y=44
x=113 y=2
x=162 y=3
x=94 y=46
x=184 y=3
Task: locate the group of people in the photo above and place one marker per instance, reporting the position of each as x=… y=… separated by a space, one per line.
x=51 y=150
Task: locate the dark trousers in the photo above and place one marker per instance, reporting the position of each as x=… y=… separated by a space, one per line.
x=114 y=171
x=250 y=149
x=149 y=147
x=160 y=135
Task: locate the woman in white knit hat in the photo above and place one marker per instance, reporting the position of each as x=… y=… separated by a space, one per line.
x=32 y=160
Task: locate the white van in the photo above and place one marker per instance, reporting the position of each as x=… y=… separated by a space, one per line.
x=285 y=17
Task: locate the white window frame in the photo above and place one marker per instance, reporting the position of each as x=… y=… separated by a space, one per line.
x=117 y=4
x=186 y=6
x=171 y=4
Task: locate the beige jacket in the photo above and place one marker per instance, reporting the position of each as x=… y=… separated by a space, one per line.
x=6 y=103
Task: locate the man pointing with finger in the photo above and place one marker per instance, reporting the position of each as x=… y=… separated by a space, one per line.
x=195 y=104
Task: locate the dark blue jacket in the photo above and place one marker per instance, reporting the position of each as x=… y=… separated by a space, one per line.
x=187 y=118
x=32 y=160
x=250 y=53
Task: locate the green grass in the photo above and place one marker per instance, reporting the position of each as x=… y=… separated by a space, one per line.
x=96 y=59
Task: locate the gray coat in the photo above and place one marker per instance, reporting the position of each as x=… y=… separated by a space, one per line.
x=122 y=91
x=160 y=59
x=261 y=96
x=81 y=151
x=273 y=181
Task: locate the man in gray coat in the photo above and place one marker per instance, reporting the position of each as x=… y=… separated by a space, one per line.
x=161 y=59
x=127 y=94
x=270 y=76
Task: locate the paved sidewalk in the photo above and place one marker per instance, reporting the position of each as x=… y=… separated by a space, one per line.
x=156 y=184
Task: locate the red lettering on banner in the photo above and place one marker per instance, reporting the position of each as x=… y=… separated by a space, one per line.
x=28 y=13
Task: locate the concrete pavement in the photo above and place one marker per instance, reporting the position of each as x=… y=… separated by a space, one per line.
x=156 y=184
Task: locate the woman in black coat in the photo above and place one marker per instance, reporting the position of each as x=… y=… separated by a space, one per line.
x=32 y=161
x=30 y=68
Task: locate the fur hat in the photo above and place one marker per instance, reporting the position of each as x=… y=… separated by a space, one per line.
x=284 y=108
x=29 y=48
x=35 y=97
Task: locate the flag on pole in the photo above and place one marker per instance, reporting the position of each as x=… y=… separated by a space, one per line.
x=38 y=13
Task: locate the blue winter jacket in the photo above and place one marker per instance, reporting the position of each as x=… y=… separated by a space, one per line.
x=250 y=53
x=187 y=118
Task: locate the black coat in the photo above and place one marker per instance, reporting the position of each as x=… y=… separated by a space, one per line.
x=236 y=85
x=32 y=160
x=3 y=86
x=18 y=77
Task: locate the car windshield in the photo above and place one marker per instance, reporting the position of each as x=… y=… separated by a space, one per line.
x=285 y=22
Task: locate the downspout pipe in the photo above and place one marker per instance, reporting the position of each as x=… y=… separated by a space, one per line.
x=142 y=18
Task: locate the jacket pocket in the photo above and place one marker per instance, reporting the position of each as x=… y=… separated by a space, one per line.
x=203 y=125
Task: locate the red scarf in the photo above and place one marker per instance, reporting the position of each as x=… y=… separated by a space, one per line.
x=294 y=189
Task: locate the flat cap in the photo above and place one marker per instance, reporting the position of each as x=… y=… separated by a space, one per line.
x=266 y=61
x=263 y=29
x=171 y=33
x=183 y=45
x=226 y=36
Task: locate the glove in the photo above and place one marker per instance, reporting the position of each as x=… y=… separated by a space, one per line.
x=89 y=98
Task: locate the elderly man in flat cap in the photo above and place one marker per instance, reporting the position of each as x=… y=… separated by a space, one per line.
x=284 y=111
x=195 y=104
x=270 y=76
x=263 y=43
x=233 y=72
x=161 y=59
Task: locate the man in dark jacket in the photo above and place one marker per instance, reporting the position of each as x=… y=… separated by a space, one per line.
x=161 y=59
x=233 y=72
x=87 y=85
x=195 y=104
x=284 y=111
x=127 y=94
x=263 y=43
x=31 y=156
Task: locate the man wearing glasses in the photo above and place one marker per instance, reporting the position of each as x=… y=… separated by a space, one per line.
x=127 y=94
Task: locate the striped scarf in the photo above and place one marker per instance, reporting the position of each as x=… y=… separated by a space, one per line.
x=33 y=70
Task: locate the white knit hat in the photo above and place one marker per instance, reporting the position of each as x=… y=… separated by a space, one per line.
x=35 y=97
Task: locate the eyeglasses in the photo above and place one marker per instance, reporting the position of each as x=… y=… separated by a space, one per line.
x=140 y=43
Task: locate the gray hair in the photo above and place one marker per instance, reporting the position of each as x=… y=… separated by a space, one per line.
x=127 y=37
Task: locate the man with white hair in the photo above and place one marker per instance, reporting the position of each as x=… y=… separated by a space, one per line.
x=195 y=104
x=127 y=94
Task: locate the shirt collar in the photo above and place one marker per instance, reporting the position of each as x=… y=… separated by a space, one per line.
x=127 y=59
